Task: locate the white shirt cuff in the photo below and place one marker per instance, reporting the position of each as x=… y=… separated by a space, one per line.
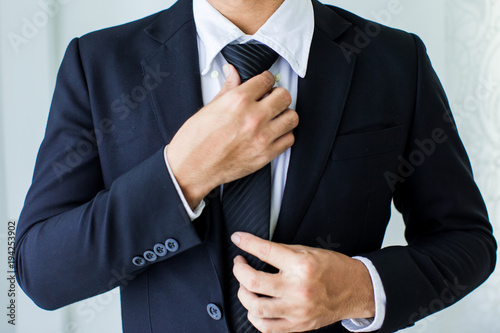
x=193 y=214
x=370 y=324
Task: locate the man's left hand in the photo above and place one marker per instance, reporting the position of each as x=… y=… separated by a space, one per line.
x=313 y=288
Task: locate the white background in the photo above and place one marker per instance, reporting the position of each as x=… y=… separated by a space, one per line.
x=463 y=40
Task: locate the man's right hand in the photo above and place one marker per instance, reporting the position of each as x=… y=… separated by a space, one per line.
x=245 y=127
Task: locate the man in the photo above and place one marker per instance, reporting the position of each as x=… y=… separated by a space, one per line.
x=151 y=160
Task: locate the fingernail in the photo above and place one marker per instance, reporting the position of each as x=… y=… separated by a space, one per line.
x=235 y=238
x=226 y=70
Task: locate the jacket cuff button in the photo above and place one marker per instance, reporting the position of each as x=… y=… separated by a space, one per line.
x=172 y=245
x=150 y=256
x=139 y=261
x=160 y=250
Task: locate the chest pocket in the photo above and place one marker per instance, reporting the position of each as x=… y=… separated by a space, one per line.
x=367 y=143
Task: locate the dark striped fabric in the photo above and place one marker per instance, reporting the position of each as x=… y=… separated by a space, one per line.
x=249 y=59
x=246 y=205
x=246 y=202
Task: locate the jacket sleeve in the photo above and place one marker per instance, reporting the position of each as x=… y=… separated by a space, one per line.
x=451 y=249
x=76 y=238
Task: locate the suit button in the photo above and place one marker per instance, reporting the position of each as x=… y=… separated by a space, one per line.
x=160 y=249
x=139 y=261
x=172 y=245
x=214 y=311
x=150 y=256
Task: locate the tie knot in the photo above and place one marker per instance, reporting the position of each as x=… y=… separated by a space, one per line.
x=249 y=59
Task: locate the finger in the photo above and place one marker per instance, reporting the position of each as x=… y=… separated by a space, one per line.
x=285 y=122
x=262 y=307
x=257 y=281
x=232 y=80
x=277 y=101
x=275 y=254
x=281 y=144
x=240 y=259
x=258 y=86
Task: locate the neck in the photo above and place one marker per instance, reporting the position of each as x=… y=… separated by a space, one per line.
x=247 y=15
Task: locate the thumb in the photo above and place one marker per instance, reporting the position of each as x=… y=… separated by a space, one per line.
x=232 y=79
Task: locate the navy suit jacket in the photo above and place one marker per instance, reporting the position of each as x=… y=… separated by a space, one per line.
x=374 y=126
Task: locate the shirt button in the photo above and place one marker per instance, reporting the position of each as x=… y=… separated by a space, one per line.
x=160 y=249
x=172 y=245
x=277 y=77
x=214 y=74
x=139 y=261
x=150 y=256
x=214 y=311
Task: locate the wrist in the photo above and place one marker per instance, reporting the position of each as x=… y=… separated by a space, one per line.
x=193 y=188
x=363 y=292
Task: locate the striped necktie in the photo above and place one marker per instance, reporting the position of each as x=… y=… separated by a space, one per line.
x=246 y=202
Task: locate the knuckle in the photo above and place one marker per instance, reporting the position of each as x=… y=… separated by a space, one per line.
x=294 y=119
x=263 y=138
x=265 y=250
x=307 y=266
x=250 y=126
x=267 y=310
x=253 y=122
x=259 y=311
x=284 y=95
x=244 y=242
x=253 y=282
x=267 y=79
x=287 y=98
x=239 y=99
x=227 y=84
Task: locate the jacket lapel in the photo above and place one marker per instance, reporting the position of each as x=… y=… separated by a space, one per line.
x=320 y=102
x=178 y=96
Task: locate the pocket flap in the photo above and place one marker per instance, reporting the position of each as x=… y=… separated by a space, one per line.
x=367 y=143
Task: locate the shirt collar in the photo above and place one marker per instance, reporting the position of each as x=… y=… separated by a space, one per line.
x=288 y=31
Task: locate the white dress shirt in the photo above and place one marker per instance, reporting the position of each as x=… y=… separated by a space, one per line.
x=289 y=33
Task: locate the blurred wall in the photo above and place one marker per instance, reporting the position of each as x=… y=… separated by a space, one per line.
x=463 y=41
